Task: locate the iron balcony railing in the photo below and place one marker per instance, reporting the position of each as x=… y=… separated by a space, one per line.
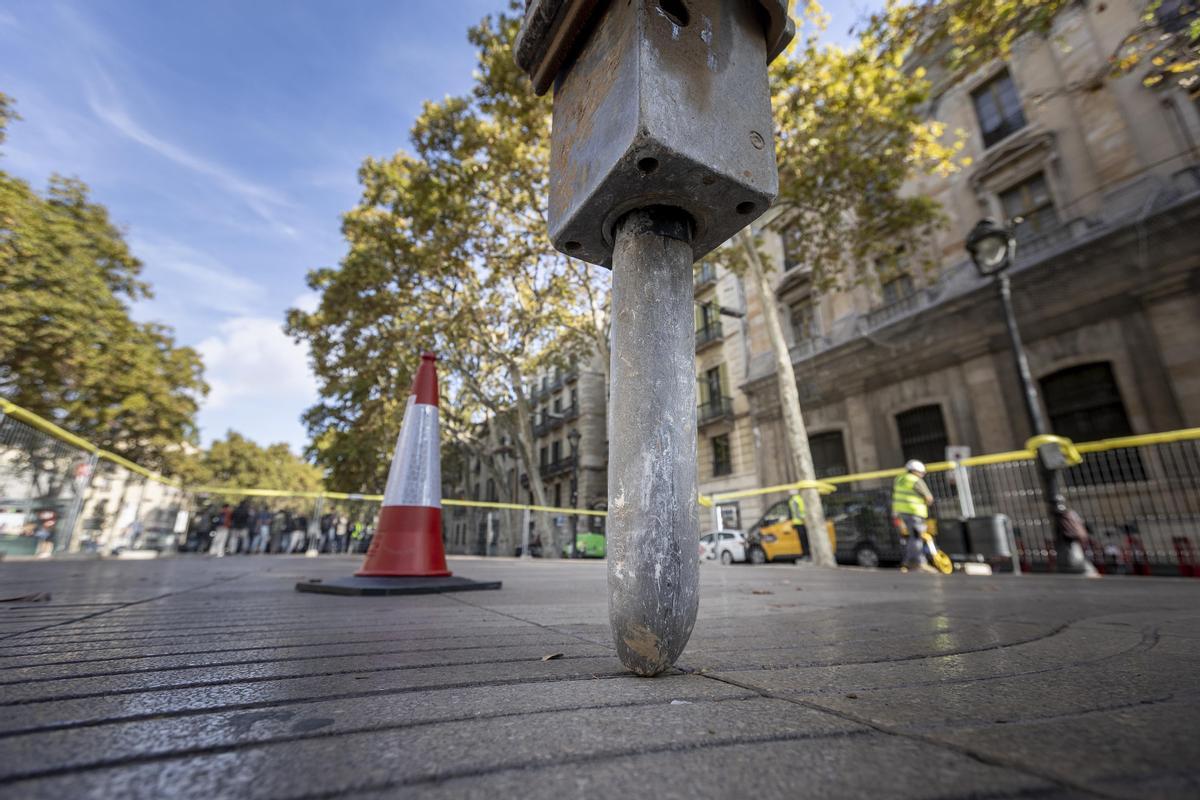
x=714 y=409
x=706 y=276
x=550 y=421
x=557 y=467
x=708 y=334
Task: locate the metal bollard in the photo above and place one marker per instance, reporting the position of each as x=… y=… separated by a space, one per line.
x=661 y=150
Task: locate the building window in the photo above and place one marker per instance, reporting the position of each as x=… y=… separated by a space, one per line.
x=1084 y=404
x=1030 y=199
x=897 y=288
x=998 y=107
x=708 y=323
x=544 y=457
x=558 y=495
x=712 y=399
x=555 y=451
x=788 y=239
x=803 y=323
x=722 y=455
x=557 y=405
x=492 y=496
x=923 y=434
x=828 y=454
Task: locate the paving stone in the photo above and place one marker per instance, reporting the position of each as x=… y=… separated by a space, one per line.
x=433 y=752
x=96 y=745
x=197 y=677
x=859 y=766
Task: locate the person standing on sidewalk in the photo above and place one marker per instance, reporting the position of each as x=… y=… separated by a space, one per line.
x=262 y=530
x=911 y=500
x=241 y=528
x=796 y=509
x=221 y=537
x=299 y=534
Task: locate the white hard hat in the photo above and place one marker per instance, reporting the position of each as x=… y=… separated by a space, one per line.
x=915 y=466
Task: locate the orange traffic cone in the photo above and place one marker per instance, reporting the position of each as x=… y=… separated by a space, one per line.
x=406 y=555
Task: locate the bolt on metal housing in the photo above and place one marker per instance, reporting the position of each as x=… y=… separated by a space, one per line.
x=656 y=103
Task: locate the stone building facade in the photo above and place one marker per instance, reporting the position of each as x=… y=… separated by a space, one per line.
x=729 y=439
x=560 y=402
x=1106 y=175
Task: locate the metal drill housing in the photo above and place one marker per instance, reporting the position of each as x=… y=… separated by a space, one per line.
x=656 y=103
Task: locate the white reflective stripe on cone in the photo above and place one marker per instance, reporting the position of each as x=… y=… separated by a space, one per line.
x=415 y=478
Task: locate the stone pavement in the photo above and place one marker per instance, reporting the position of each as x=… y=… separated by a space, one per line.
x=207 y=678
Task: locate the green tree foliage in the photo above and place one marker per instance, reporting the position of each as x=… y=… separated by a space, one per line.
x=1162 y=46
x=68 y=347
x=447 y=250
x=236 y=461
x=7 y=114
x=851 y=130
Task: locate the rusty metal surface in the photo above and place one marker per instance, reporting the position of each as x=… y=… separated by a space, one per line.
x=659 y=110
x=553 y=30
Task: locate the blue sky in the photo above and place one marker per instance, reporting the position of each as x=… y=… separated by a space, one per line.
x=224 y=137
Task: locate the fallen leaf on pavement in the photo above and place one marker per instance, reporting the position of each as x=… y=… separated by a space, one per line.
x=32 y=597
x=552 y=656
x=761 y=591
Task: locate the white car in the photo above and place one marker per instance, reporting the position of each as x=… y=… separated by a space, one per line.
x=725 y=546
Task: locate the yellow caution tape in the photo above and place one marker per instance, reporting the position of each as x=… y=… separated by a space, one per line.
x=46 y=426
x=1072 y=451
x=1144 y=440
x=824 y=487
x=585 y=512
x=1064 y=444
x=231 y=490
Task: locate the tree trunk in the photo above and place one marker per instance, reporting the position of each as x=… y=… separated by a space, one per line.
x=524 y=441
x=789 y=402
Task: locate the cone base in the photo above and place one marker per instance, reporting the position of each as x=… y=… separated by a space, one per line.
x=407 y=544
x=370 y=586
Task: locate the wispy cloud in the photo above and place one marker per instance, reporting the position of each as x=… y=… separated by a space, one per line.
x=263 y=201
x=308 y=302
x=202 y=279
x=101 y=58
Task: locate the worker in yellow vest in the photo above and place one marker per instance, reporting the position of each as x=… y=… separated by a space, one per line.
x=796 y=508
x=911 y=500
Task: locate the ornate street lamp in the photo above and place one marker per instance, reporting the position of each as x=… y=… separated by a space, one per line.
x=573 y=438
x=993 y=249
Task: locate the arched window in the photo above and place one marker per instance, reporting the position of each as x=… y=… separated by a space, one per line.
x=1084 y=404
x=923 y=433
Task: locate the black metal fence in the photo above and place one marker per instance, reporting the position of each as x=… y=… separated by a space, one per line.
x=1141 y=506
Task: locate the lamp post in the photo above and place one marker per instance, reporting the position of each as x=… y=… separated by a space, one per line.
x=993 y=248
x=573 y=438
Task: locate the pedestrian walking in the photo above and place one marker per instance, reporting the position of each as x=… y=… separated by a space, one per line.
x=262 y=530
x=911 y=500
x=224 y=525
x=796 y=509
x=299 y=531
x=327 y=544
x=47 y=519
x=241 y=528
x=343 y=534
